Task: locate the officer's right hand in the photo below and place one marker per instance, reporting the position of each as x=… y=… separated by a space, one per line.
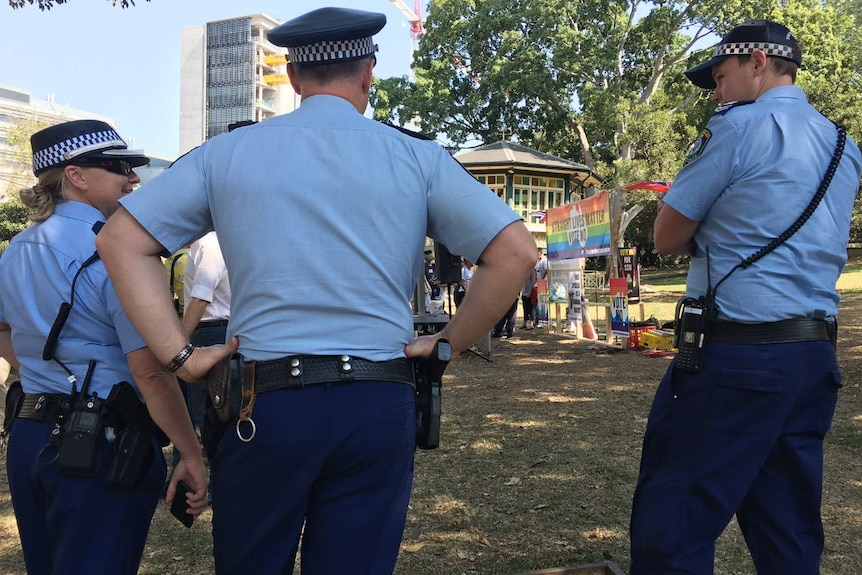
x=202 y=360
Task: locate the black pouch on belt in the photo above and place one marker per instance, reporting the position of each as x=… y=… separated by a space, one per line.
x=133 y=451
x=14 y=398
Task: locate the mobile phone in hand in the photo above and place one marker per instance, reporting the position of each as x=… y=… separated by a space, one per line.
x=180 y=504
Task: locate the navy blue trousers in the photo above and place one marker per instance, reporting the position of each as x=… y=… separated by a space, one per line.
x=77 y=525
x=336 y=458
x=743 y=436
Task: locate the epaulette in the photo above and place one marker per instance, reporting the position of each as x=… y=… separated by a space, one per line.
x=181 y=157
x=725 y=108
x=411 y=133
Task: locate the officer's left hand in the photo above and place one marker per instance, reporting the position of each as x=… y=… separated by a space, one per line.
x=422 y=346
x=202 y=360
x=194 y=473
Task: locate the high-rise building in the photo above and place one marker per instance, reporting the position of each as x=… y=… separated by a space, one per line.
x=20 y=116
x=229 y=72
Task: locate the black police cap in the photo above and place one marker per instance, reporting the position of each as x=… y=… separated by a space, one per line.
x=66 y=143
x=774 y=39
x=328 y=35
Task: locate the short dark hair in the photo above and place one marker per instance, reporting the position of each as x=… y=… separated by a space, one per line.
x=781 y=66
x=331 y=71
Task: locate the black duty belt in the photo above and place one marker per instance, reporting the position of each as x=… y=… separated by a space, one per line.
x=42 y=406
x=785 y=331
x=212 y=323
x=304 y=370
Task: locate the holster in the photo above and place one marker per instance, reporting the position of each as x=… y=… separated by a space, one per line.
x=133 y=449
x=428 y=395
x=231 y=388
x=14 y=397
x=428 y=407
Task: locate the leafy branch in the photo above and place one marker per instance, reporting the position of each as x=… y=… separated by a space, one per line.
x=48 y=4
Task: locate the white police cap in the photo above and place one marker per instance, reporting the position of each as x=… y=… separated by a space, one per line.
x=329 y=35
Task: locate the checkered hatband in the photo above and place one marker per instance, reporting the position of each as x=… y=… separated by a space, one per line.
x=332 y=51
x=76 y=146
x=741 y=48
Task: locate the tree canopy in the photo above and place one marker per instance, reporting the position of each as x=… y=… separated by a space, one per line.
x=48 y=4
x=600 y=81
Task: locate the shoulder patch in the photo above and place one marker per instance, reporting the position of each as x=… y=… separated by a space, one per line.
x=411 y=133
x=725 y=108
x=697 y=147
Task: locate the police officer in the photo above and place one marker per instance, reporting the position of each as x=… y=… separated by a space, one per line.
x=70 y=523
x=307 y=206
x=744 y=434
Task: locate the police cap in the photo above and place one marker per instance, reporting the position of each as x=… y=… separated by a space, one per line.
x=328 y=35
x=774 y=39
x=81 y=141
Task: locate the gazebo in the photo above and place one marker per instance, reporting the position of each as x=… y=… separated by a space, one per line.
x=528 y=180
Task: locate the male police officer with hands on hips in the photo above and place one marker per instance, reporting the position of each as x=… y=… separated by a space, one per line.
x=83 y=504
x=305 y=204
x=737 y=426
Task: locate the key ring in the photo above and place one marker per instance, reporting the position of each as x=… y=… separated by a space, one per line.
x=239 y=430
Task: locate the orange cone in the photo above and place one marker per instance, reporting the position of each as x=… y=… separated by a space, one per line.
x=587 y=323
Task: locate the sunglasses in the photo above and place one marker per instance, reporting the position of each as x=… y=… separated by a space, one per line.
x=119 y=167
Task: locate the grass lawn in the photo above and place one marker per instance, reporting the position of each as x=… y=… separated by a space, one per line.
x=538 y=460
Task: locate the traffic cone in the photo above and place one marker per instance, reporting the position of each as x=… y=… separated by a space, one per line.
x=589 y=331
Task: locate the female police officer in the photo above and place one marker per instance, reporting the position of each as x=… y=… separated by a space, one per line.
x=72 y=517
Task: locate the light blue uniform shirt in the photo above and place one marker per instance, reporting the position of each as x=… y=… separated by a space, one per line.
x=756 y=174
x=36 y=273
x=322 y=216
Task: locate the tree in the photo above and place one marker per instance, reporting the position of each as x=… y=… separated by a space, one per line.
x=575 y=79
x=600 y=81
x=20 y=154
x=48 y=4
x=13 y=219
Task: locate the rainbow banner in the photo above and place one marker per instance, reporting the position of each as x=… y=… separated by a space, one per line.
x=580 y=229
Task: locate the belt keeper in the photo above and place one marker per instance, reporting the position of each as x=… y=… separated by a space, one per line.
x=295 y=368
x=346 y=374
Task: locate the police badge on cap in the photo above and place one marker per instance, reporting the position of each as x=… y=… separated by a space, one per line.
x=329 y=35
x=83 y=142
x=774 y=39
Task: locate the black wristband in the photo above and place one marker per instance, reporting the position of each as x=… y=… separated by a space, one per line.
x=184 y=354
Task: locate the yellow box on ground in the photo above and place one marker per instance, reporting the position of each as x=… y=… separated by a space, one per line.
x=657 y=339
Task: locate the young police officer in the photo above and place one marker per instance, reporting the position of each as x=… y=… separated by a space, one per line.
x=738 y=422
x=305 y=204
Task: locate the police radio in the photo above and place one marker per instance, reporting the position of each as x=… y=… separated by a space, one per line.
x=689 y=333
x=80 y=442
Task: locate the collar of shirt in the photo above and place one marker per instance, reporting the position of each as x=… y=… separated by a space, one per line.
x=79 y=211
x=791 y=92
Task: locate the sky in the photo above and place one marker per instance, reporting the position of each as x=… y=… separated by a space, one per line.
x=125 y=64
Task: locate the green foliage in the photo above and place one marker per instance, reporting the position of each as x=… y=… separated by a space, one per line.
x=21 y=154
x=600 y=81
x=13 y=219
x=48 y=4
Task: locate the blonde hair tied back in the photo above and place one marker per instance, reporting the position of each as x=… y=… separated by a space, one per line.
x=47 y=193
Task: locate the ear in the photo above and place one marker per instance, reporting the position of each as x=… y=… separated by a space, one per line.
x=368 y=76
x=294 y=79
x=75 y=176
x=760 y=60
